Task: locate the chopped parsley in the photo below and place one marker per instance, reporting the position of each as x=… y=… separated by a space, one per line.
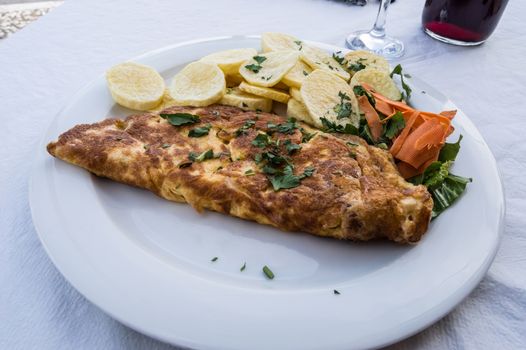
x=306 y=137
x=336 y=292
x=398 y=71
x=146 y=147
x=194 y=157
x=214 y=259
x=338 y=58
x=291 y=147
x=274 y=161
x=165 y=145
x=247 y=125
x=331 y=127
x=394 y=125
x=261 y=141
x=344 y=108
x=299 y=43
x=256 y=67
x=253 y=67
x=250 y=172
x=243 y=267
x=198 y=132
x=178 y=119
x=286 y=179
x=356 y=67
x=285 y=128
x=259 y=59
x=268 y=272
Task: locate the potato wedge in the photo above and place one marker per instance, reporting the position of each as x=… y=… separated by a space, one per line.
x=279 y=42
x=281 y=85
x=166 y=102
x=297 y=110
x=233 y=80
x=229 y=61
x=295 y=76
x=267 y=69
x=379 y=80
x=358 y=60
x=135 y=86
x=319 y=59
x=327 y=96
x=198 y=84
x=296 y=94
x=271 y=93
x=237 y=98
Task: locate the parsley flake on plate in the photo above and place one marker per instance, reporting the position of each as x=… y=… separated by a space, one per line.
x=268 y=272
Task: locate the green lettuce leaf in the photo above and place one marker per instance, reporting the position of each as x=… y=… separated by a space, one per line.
x=447 y=193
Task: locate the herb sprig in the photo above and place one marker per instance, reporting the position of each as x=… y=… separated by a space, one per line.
x=178 y=119
x=199 y=132
x=257 y=66
x=399 y=71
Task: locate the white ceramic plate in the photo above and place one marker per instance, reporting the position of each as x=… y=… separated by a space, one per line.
x=146 y=261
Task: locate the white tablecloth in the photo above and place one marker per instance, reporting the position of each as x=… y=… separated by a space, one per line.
x=45 y=63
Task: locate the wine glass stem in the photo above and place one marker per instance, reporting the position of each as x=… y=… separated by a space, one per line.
x=379 y=25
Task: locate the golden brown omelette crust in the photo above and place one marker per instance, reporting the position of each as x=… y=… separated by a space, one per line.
x=355 y=192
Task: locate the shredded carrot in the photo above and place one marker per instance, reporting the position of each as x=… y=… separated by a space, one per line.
x=449 y=114
x=373 y=120
x=424 y=134
x=384 y=108
x=434 y=136
x=407 y=171
x=399 y=141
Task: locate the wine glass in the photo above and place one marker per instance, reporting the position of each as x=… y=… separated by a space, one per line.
x=375 y=40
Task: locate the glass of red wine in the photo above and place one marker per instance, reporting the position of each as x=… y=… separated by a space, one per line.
x=375 y=39
x=462 y=22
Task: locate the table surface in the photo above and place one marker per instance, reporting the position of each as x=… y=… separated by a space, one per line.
x=43 y=65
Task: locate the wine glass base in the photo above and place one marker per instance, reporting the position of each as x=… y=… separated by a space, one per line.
x=385 y=46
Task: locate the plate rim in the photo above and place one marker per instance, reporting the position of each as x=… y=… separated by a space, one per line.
x=429 y=317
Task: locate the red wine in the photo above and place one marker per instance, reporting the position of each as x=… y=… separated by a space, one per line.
x=470 y=21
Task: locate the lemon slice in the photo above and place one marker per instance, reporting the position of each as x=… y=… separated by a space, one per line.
x=237 y=98
x=230 y=60
x=273 y=94
x=198 y=84
x=135 y=86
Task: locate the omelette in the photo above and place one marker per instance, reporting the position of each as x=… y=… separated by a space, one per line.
x=256 y=166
